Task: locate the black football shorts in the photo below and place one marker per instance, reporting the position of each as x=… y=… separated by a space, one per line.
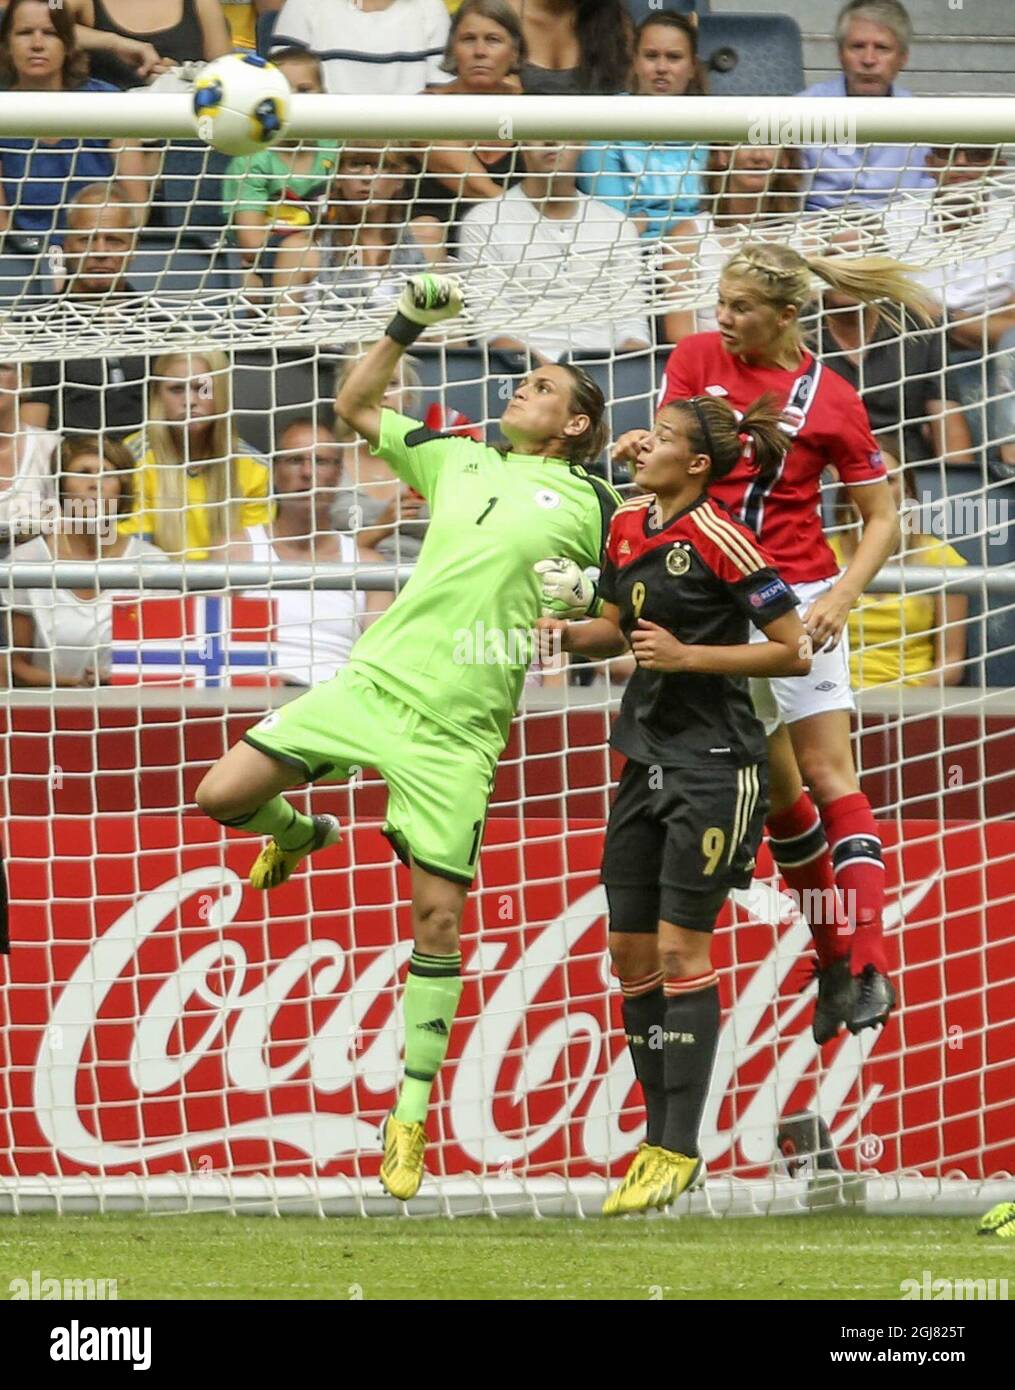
x=678 y=840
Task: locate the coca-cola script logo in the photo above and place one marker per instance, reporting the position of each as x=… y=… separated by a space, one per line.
x=194 y=1033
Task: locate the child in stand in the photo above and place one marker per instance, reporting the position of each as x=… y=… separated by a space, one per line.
x=276 y=198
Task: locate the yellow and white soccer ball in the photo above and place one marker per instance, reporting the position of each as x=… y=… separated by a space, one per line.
x=241 y=103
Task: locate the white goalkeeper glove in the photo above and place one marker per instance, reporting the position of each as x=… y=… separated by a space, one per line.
x=567 y=591
x=426 y=299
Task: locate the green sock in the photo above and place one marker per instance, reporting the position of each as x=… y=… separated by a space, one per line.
x=432 y=991
x=290 y=828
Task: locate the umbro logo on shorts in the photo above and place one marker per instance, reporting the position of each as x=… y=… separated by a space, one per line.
x=825 y=686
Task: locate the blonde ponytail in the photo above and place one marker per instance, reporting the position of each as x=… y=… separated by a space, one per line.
x=874 y=279
x=783 y=277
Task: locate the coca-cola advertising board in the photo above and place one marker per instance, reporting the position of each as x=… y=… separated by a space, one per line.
x=159 y=1016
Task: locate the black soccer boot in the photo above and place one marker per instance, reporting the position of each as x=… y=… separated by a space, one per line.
x=837 y=990
x=875 y=999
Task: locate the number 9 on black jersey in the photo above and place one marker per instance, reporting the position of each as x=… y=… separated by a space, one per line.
x=679 y=839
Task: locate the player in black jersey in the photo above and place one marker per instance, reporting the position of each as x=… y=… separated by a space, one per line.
x=681 y=583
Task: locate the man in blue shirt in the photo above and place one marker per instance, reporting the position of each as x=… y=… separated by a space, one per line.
x=873 y=38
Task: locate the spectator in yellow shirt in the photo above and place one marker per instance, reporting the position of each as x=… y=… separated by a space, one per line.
x=199 y=485
x=915 y=639
x=242 y=19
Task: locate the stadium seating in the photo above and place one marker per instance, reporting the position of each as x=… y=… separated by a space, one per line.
x=459 y=379
x=463 y=380
x=271 y=388
x=20 y=275
x=630 y=385
x=190 y=191
x=751 y=54
x=165 y=262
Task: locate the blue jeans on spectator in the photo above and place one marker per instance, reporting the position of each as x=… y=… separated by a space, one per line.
x=985 y=388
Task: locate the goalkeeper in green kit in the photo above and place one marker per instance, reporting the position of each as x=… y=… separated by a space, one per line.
x=430 y=689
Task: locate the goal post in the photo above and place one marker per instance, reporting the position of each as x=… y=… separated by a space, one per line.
x=156 y=115
x=169 y=1041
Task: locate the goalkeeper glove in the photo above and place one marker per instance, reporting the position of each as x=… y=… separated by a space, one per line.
x=567 y=591
x=425 y=299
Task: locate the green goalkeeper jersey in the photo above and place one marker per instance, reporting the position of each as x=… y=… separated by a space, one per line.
x=456 y=642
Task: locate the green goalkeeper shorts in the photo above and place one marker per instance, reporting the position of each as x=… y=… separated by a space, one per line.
x=438 y=786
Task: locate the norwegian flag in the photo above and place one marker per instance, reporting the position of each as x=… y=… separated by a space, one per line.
x=202 y=640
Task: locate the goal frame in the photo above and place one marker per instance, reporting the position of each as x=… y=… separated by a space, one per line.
x=154 y=116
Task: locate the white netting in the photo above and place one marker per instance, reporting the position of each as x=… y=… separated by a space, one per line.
x=163 y=1038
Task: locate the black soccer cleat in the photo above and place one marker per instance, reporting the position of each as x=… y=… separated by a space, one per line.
x=837 y=991
x=875 y=999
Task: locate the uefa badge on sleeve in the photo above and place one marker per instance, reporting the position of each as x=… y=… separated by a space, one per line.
x=678 y=561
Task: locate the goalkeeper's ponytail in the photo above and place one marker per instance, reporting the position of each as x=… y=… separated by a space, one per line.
x=586 y=399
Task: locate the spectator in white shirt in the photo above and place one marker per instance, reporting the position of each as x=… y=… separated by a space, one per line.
x=314 y=628
x=563 y=269
x=63 y=637
x=873 y=38
x=26 y=463
x=369 y=47
x=960 y=235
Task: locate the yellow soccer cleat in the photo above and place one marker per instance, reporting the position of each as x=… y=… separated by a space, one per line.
x=664 y=1176
x=274 y=864
x=616 y=1203
x=402 y=1164
x=999 y=1221
x=670 y=1175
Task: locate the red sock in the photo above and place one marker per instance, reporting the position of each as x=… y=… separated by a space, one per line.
x=800 y=850
x=860 y=873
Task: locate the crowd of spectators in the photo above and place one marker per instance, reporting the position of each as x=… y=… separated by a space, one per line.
x=577 y=234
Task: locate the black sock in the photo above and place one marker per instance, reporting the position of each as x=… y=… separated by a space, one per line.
x=690 y=1037
x=643 y=1024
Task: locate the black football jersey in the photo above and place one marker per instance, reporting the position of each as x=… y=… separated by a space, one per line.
x=705 y=578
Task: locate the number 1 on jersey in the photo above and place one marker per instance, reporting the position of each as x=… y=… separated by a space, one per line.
x=487 y=510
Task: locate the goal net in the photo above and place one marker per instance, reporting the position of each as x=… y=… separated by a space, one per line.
x=169 y=1038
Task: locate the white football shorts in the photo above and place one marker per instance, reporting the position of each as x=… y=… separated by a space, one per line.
x=785 y=699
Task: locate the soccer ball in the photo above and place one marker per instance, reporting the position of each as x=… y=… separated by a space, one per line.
x=241 y=103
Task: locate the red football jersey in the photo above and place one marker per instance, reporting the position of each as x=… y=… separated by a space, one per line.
x=705 y=578
x=829 y=425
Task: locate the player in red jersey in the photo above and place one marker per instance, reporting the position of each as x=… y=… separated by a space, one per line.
x=684 y=584
x=832 y=839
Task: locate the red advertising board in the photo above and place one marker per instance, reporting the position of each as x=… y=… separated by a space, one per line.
x=156 y=1020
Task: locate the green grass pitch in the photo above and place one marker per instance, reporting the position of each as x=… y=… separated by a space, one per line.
x=836 y=1257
